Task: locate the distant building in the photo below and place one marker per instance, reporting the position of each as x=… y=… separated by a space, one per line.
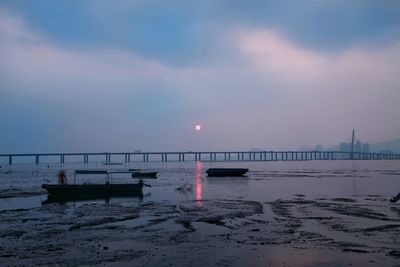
x=345 y=147
x=365 y=148
x=357 y=147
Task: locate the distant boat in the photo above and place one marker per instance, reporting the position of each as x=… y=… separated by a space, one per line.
x=88 y=191
x=138 y=173
x=144 y=174
x=226 y=171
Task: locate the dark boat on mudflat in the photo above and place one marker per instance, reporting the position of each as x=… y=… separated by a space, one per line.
x=226 y=171
x=74 y=191
x=88 y=191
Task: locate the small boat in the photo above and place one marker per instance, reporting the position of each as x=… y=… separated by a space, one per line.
x=64 y=191
x=144 y=174
x=226 y=171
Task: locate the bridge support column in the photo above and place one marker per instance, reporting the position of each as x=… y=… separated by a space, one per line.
x=197 y=156
x=37 y=159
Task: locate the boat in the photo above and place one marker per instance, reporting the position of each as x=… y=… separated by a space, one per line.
x=64 y=191
x=226 y=171
x=138 y=174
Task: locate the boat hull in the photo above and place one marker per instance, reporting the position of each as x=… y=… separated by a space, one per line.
x=87 y=191
x=226 y=172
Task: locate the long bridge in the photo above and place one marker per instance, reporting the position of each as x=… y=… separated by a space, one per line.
x=110 y=157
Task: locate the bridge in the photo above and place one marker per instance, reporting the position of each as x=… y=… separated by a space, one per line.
x=113 y=157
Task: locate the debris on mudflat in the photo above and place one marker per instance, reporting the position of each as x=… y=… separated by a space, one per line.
x=186 y=187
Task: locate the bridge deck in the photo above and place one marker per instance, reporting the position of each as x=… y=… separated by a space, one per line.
x=201 y=156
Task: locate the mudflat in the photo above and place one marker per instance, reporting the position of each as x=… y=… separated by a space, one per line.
x=225 y=222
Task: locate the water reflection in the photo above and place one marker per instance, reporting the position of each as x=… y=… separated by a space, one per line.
x=229 y=180
x=199 y=169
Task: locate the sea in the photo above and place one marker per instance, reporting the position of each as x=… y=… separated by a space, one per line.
x=20 y=184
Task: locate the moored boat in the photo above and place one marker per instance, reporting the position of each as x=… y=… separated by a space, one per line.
x=92 y=190
x=144 y=174
x=226 y=171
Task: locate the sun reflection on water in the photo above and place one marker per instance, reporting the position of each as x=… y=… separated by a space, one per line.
x=199 y=168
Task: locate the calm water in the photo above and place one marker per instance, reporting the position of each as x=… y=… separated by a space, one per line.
x=266 y=181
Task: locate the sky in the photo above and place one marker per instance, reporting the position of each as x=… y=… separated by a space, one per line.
x=97 y=75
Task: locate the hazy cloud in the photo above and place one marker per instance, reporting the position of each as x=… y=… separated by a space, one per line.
x=255 y=84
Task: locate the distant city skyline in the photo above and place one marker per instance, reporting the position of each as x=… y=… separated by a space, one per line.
x=140 y=75
x=390 y=146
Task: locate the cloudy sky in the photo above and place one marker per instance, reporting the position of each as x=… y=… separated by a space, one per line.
x=124 y=75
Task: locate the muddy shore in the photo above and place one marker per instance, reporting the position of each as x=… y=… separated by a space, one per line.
x=219 y=233
x=297 y=230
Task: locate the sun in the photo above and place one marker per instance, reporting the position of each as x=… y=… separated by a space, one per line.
x=197 y=127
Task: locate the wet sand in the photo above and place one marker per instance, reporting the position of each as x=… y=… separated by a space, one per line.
x=236 y=222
